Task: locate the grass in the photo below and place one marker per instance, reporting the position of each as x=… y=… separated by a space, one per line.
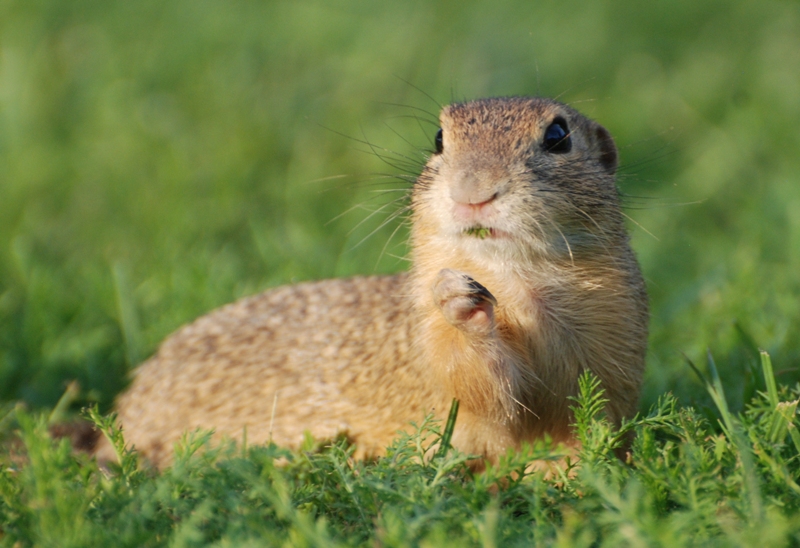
x=160 y=159
x=684 y=483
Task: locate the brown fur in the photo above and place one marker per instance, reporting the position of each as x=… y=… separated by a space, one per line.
x=505 y=323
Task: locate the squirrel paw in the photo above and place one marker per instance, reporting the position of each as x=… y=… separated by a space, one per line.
x=465 y=303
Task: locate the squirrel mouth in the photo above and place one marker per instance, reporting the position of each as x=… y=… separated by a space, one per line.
x=481 y=232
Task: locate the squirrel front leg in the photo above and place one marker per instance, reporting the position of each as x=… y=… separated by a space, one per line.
x=472 y=357
x=476 y=363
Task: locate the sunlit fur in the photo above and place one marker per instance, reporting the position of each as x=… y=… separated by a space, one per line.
x=362 y=357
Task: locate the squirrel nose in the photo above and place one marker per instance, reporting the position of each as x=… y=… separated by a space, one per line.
x=476 y=187
x=472 y=208
x=476 y=201
x=473 y=194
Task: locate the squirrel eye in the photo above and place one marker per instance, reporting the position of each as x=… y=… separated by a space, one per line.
x=438 y=140
x=556 y=137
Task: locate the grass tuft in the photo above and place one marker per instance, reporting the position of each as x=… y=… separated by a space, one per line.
x=686 y=481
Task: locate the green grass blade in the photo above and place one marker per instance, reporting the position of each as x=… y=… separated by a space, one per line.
x=769 y=379
x=128 y=317
x=734 y=435
x=449 y=427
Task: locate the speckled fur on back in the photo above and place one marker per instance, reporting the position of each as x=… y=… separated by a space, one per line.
x=522 y=278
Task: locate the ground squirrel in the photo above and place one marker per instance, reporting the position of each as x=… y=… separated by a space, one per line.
x=522 y=277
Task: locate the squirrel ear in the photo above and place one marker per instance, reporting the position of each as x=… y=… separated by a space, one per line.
x=607 y=149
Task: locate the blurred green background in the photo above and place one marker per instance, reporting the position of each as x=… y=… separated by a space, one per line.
x=161 y=158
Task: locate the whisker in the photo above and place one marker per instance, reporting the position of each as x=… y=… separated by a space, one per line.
x=566 y=242
x=602 y=240
x=380 y=226
x=424 y=153
x=631 y=219
x=376 y=180
x=556 y=98
x=328 y=178
x=391 y=236
x=411 y=107
x=362 y=205
x=373 y=149
x=419 y=90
